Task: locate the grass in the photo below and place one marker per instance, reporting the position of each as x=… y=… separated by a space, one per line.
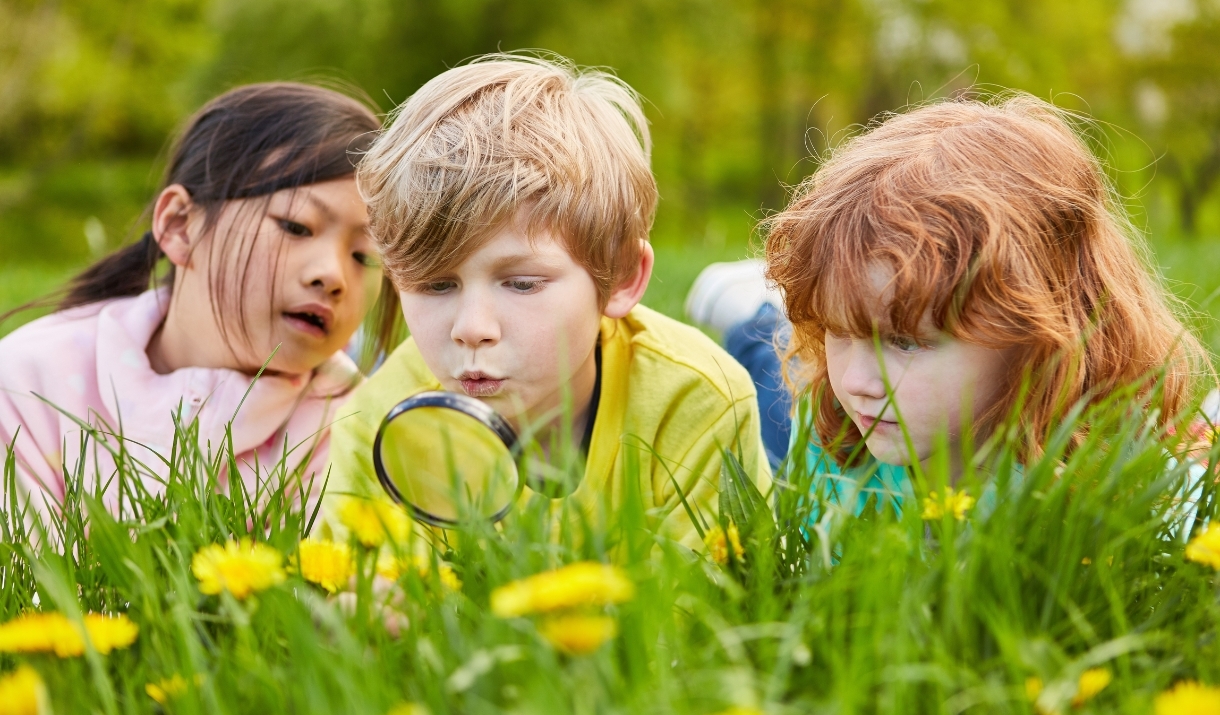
x=1077 y=565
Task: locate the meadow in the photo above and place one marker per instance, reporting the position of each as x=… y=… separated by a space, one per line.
x=1083 y=582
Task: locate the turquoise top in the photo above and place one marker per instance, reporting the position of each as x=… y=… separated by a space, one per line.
x=883 y=483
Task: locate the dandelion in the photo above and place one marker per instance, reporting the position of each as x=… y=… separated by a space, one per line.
x=241 y=568
x=391 y=568
x=740 y=710
x=55 y=633
x=325 y=563
x=577 y=634
x=586 y=583
x=372 y=521
x=952 y=502
x=22 y=692
x=166 y=688
x=719 y=541
x=1033 y=687
x=1189 y=698
x=1205 y=548
x=409 y=709
x=1092 y=682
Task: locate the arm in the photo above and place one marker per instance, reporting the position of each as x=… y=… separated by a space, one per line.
x=698 y=472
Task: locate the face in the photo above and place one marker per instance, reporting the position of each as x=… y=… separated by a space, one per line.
x=939 y=384
x=310 y=276
x=514 y=325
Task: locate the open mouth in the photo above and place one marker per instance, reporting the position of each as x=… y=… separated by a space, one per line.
x=307 y=322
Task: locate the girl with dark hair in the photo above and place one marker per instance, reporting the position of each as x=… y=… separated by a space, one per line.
x=267 y=261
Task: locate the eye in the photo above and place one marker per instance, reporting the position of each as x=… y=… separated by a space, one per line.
x=438 y=287
x=293 y=228
x=524 y=286
x=904 y=343
x=366 y=259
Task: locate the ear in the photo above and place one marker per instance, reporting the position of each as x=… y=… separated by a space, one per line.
x=628 y=294
x=173 y=214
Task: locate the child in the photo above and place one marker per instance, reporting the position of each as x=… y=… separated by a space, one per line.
x=968 y=246
x=268 y=250
x=511 y=199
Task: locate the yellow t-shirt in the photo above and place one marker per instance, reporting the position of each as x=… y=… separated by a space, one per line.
x=670 y=398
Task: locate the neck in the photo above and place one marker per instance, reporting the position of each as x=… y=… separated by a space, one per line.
x=188 y=338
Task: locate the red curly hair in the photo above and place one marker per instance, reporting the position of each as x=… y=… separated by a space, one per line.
x=998 y=222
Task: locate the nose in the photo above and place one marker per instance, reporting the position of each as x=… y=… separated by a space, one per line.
x=475 y=324
x=863 y=377
x=324 y=270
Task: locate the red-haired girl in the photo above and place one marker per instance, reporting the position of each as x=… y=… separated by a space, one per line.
x=951 y=263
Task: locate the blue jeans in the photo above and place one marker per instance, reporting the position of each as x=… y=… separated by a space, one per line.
x=753 y=344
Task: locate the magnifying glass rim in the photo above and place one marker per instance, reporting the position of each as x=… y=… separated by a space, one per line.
x=461 y=403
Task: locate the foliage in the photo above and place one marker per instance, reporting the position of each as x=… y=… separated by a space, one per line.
x=1071 y=587
x=743 y=96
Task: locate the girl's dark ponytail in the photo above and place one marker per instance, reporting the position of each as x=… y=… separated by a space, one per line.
x=126 y=272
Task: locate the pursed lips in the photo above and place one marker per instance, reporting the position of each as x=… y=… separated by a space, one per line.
x=480 y=384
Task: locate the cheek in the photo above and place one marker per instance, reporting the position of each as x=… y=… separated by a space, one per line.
x=834 y=372
x=425 y=319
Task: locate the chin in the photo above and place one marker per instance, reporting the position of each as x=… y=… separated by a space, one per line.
x=890 y=453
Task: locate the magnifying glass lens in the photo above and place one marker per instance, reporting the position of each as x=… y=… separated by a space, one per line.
x=446 y=465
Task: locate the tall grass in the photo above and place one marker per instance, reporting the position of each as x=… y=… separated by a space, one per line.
x=1076 y=563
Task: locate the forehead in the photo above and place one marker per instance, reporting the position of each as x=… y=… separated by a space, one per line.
x=865 y=300
x=336 y=199
x=513 y=245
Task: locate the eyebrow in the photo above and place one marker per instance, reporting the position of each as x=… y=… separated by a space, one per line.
x=512 y=259
x=321 y=206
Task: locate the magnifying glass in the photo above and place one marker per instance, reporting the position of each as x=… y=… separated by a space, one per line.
x=448 y=458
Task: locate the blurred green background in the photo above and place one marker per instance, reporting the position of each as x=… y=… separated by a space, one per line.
x=743 y=95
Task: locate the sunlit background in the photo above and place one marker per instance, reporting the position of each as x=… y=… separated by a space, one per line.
x=743 y=97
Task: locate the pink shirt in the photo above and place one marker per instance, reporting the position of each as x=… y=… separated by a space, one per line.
x=91 y=363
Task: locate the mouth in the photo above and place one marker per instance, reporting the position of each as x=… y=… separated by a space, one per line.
x=479 y=384
x=867 y=422
x=312 y=320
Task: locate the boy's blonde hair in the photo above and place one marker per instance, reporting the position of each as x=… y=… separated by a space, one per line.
x=998 y=220
x=506 y=137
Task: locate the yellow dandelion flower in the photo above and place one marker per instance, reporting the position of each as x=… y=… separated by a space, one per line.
x=448 y=577
x=740 y=710
x=409 y=709
x=1092 y=682
x=936 y=505
x=1189 y=698
x=719 y=541
x=22 y=692
x=110 y=632
x=166 y=688
x=241 y=568
x=325 y=563
x=391 y=568
x=372 y=521
x=586 y=583
x=577 y=634
x=1033 y=687
x=54 y=633
x=1205 y=548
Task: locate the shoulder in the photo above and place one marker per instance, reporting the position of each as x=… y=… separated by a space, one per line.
x=671 y=352
x=49 y=346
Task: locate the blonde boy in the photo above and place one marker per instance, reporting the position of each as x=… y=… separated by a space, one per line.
x=511 y=199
